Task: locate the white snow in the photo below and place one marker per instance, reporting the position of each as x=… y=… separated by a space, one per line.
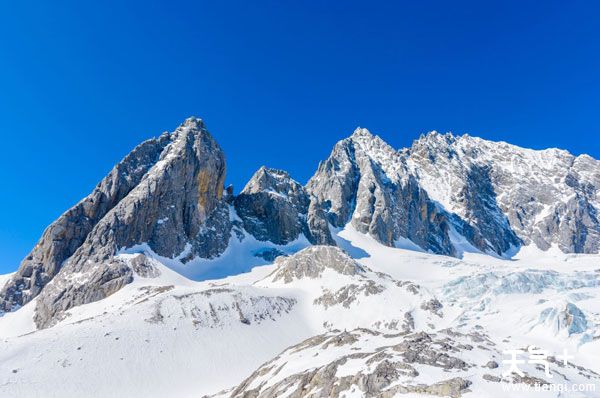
x=155 y=338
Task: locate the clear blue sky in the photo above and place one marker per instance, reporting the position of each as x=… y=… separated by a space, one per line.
x=278 y=83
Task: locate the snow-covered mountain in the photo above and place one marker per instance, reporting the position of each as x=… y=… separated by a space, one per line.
x=392 y=272
x=545 y=197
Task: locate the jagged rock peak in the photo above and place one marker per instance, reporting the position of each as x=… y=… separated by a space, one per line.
x=436 y=137
x=276 y=208
x=167 y=194
x=369 y=142
x=273 y=180
x=366 y=182
x=192 y=122
x=361 y=132
x=466 y=141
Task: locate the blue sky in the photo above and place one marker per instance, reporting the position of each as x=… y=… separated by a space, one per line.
x=278 y=83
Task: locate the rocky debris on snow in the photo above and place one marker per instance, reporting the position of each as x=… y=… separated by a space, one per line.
x=348 y=294
x=434 y=306
x=366 y=363
x=220 y=307
x=312 y=262
x=492 y=365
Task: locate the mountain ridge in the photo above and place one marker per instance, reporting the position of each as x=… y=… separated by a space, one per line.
x=390 y=272
x=443 y=190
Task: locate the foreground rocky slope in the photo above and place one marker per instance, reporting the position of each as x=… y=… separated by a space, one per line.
x=367 y=363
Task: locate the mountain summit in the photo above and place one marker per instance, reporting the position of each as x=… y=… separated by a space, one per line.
x=167 y=193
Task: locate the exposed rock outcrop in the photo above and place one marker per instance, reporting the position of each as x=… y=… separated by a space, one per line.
x=220 y=307
x=365 y=181
x=390 y=370
x=167 y=195
x=312 y=262
x=546 y=197
x=65 y=235
x=365 y=363
x=276 y=208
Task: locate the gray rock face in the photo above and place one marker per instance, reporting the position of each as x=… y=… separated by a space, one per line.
x=491 y=229
x=312 y=262
x=270 y=204
x=335 y=183
x=366 y=182
x=172 y=201
x=65 y=235
x=547 y=197
x=276 y=208
x=497 y=196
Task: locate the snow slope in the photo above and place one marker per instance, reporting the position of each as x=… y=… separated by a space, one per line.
x=166 y=335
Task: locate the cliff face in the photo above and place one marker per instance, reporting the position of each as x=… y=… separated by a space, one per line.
x=367 y=183
x=167 y=194
x=545 y=198
x=276 y=208
x=65 y=235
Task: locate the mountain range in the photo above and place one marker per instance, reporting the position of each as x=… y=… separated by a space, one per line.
x=390 y=273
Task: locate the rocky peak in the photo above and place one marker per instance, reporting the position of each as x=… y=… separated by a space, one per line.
x=434 y=144
x=276 y=208
x=361 y=133
x=166 y=194
x=192 y=123
x=537 y=195
x=65 y=235
x=373 y=146
x=365 y=182
x=434 y=135
x=272 y=181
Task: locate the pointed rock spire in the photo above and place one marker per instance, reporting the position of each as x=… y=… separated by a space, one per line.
x=166 y=194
